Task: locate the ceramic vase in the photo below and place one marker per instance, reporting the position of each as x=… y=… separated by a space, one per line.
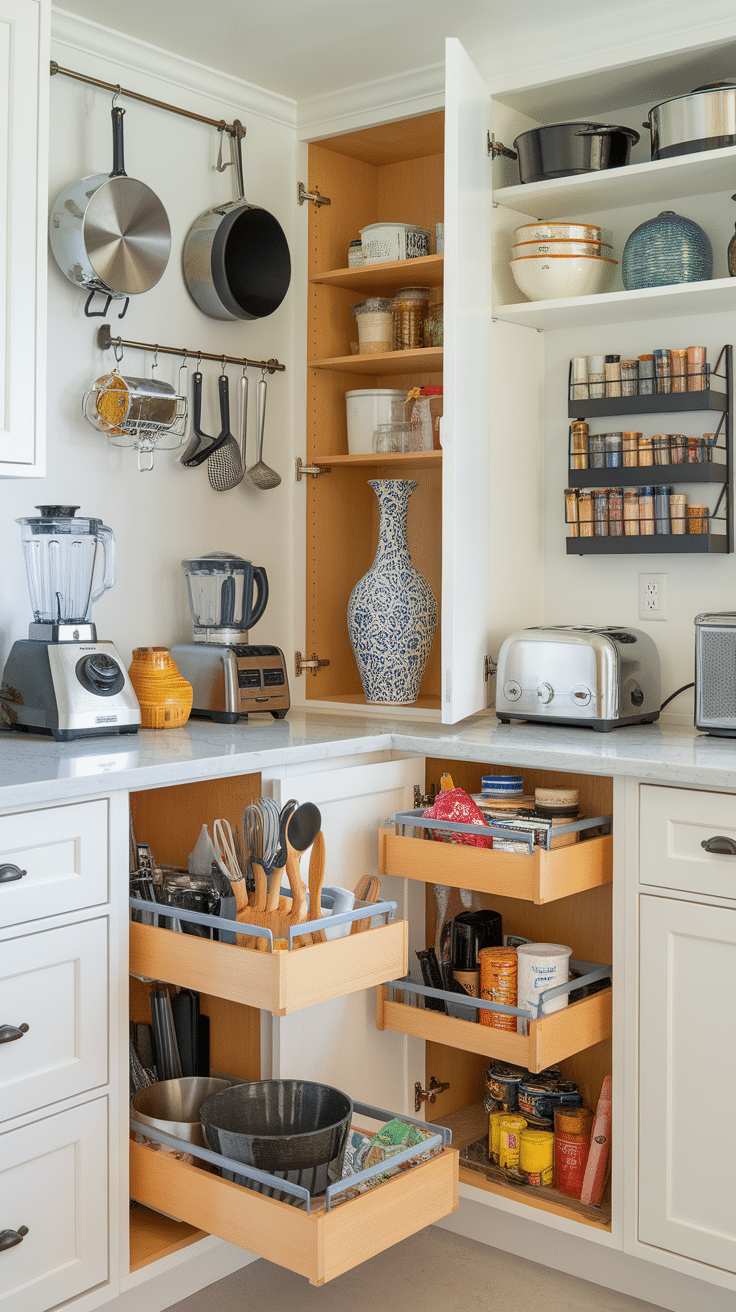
x=665 y=250
x=392 y=613
x=165 y=698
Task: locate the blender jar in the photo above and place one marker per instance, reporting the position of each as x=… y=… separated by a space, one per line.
x=221 y=598
x=60 y=554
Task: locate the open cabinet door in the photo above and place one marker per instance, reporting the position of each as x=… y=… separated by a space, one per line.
x=492 y=416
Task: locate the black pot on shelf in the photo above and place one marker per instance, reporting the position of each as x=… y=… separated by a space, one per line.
x=561 y=149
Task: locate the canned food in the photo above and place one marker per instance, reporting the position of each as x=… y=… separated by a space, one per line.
x=537 y=1156
x=494 y=1135
x=502 y=1082
x=510 y=1128
x=498 y=975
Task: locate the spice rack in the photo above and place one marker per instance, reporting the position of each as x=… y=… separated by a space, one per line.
x=716 y=399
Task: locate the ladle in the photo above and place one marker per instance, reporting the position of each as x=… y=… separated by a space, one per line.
x=260 y=475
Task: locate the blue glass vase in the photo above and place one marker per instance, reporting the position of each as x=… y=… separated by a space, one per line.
x=665 y=250
x=392 y=613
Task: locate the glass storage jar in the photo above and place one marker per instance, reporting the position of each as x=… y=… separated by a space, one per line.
x=375 y=325
x=410 y=318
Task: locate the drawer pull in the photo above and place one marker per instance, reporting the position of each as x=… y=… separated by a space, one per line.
x=720 y=843
x=8 y=1033
x=9 y=1238
x=9 y=873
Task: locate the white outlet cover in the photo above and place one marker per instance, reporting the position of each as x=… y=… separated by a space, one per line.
x=652 y=596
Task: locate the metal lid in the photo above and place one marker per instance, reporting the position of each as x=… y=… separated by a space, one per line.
x=215 y=562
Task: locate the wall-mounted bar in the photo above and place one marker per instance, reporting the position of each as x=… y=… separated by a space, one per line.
x=105 y=340
x=235 y=128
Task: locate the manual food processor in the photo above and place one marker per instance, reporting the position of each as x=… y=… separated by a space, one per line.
x=230 y=676
x=61 y=680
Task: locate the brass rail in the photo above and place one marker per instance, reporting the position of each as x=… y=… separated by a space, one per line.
x=105 y=340
x=235 y=129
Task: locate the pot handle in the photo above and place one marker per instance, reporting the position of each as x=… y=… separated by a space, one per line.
x=118 y=162
x=237 y=157
x=260 y=578
x=608 y=131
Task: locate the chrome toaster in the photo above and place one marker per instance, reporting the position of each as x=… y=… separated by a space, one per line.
x=715 y=673
x=571 y=674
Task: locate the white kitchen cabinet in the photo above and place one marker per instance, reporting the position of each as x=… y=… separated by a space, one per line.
x=54 y=862
x=678 y=840
x=53 y=1182
x=687 y=1184
x=24 y=62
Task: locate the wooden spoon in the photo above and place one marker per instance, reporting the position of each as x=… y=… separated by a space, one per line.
x=367 y=890
x=301 y=830
x=316 y=876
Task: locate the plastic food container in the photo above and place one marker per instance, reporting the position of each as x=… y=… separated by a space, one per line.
x=375 y=325
x=393 y=241
x=368 y=408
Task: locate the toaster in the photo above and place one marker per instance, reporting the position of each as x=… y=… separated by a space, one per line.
x=715 y=673
x=571 y=674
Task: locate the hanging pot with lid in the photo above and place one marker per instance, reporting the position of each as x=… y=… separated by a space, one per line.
x=703 y=120
x=110 y=233
x=236 y=257
x=561 y=149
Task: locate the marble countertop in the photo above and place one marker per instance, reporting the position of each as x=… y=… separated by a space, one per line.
x=35 y=770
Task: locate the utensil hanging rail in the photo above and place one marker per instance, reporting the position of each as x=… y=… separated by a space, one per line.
x=105 y=340
x=233 y=128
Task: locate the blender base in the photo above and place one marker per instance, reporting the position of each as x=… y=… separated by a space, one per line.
x=53 y=688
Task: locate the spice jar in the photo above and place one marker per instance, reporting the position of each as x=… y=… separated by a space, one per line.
x=679 y=371
x=613 y=375
x=614 y=447
x=571 y=511
x=596 y=377
x=662 y=509
x=537 y=1156
x=615 y=512
x=646 y=375
x=630 y=446
x=697 y=519
x=434 y=331
x=580 y=378
x=579 y=445
x=572 y=1139
x=646 y=456
x=691 y=452
x=678 y=502
x=661 y=448
x=355 y=253
x=631 y=511
x=498 y=976
x=375 y=325
x=663 y=370
x=646 y=511
x=410 y=317
x=509 y=1150
x=600 y=512
x=677 y=449
x=629 y=377
x=585 y=514
x=697 y=369
x=597 y=450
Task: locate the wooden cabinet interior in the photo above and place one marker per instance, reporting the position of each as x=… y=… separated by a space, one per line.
x=170 y=820
x=390 y=173
x=583 y=922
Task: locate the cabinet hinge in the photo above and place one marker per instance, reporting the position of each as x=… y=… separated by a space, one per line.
x=302 y=194
x=494 y=148
x=424 y=799
x=427 y=1095
x=314 y=470
x=300 y=665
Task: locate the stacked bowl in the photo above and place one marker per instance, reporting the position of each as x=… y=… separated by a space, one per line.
x=552 y=260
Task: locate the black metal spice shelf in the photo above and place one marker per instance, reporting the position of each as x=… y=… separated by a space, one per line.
x=647 y=475
x=662 y=403
x=695 y=544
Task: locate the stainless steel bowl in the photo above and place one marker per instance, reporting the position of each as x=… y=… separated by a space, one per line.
x=173 y=1106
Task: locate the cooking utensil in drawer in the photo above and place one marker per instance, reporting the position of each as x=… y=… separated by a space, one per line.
x=316 y=878
x=224 y=842
x=367 y=890
x=301 y=830
x=165 y=1045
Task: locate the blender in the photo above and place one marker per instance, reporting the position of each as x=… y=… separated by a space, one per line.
x=61 y=680
x=230 y=676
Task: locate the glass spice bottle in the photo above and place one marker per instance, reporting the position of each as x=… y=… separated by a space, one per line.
x=615 y=512
x=663 y=370
x=572 y=1139
x=646 y=375
x=410 y=307
x=631 y=511
x=679 y=371
x=646 y=456
x=571 y=511
x=630 y=446
x=600 y=512
x=629 y=377
x=585 y=514
x=646 y=511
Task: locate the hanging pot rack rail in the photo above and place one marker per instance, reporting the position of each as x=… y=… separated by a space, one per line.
x=105 y=340
x=235 y=128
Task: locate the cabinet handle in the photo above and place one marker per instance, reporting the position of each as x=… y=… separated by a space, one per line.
x=720 y=843
x=9 y=1238
x=9 y=873
x=8 y=1033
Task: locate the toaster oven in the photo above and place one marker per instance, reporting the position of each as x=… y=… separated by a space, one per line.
x=571 y=674
x=715 y=673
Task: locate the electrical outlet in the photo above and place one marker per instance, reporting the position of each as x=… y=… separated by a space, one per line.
x=652 y=596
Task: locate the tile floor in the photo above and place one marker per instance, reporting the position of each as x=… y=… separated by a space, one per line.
x=432 y=1270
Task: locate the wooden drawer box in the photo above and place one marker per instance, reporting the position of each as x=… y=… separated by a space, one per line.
x=55 y=983
x=538 y=877
x=551 y=1039
x=62 y=851
x=320 y=1244
x=53 y=1181
x=279 y=982
x=674 y=823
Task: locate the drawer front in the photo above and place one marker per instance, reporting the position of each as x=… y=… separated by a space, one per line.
x=53 y=1181
x=63 y=852
x=674 y=823
x=56 y=984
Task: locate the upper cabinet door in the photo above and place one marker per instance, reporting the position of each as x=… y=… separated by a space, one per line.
x=492 y=418
x=24 y=77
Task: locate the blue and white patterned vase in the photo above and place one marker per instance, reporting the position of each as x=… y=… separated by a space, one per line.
x=392 y=613
x=666 y=250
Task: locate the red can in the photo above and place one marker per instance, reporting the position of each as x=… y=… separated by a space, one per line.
x=572 y=1139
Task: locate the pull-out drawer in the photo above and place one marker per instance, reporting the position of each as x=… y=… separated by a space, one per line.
x=52 y=861
x=53 y=1187
x=319 y=1244
x=279 y=982
x=53 y=1016
x=675 y=826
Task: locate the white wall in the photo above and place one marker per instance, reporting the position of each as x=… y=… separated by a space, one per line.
x=159 y=518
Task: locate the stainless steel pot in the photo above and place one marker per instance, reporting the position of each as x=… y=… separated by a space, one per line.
x=110 y=233
x=236 y=257
x=561 y=149
x=703 y=120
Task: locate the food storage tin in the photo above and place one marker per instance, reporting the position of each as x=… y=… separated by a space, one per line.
x=542 y=966
x=393 y=241
x=537 y=1156
x=510 y=1128
x=498 y=969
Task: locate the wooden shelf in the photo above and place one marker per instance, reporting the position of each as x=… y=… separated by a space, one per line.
x=538 y=877
x=425 y=702
x=712 y=297
x=386 y=279
x=153 y=1236
x=400 y=459
x=550 y=1040
x=470 y=1124
x=426 y=360
x=320 y=1244
x=654 y=181
x=279 y=982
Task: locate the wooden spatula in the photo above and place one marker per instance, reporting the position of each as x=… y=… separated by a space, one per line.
x=316 y=876
x=367 y=890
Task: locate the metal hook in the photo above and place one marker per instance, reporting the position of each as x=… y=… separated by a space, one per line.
x=245 y=366
x=117 y=349
x=119 y=92
x=219 y=166
x=155 y=360
x=224 y=362
x=199 y=361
